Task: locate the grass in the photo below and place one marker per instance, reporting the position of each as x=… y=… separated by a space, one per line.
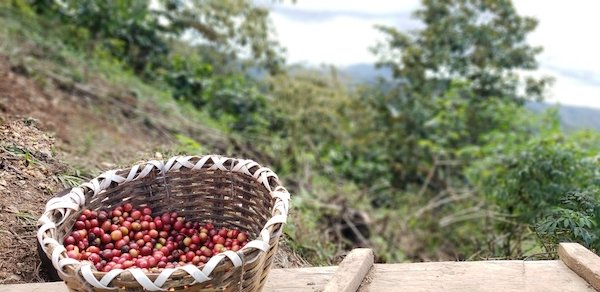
x=43 y=52
x=19 y=152
x=69 y=181
x=24 y=218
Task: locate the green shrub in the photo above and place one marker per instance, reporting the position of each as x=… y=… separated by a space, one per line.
x=547 y=183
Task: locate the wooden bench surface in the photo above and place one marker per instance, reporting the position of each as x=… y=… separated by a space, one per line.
x=476 y=276
x=279 y=280
x=578 y=270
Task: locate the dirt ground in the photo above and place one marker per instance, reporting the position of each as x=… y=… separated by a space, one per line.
x=28 y=176
x=93 y=122
x=45 y=127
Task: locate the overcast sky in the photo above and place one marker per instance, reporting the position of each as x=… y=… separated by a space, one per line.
x=340 y=32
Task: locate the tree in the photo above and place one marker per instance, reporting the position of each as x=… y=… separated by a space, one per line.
x=479 y=41
x=126 y=30
x=137 y=32
x=317 y=112
x=466 y=56
x=232 y=28
x=456 y=81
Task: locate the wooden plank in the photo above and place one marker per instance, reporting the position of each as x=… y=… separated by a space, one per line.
x=439 y=276
x=582 y=261
x=279 y=280
x=515 y=276
x=35 y=287
x=301 y=279
x=351 y=271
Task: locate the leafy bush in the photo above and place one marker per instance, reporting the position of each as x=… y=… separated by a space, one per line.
x=575 y=219
x=236 y=102
x=187 y=76
x=126 y=29
x=547 y=184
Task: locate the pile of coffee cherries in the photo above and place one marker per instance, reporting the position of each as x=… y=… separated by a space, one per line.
x=127 y=237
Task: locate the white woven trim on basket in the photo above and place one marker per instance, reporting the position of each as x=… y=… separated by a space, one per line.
x=61 y=207
x=198 y=275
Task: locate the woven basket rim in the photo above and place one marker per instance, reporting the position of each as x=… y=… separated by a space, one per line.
x=58 y=209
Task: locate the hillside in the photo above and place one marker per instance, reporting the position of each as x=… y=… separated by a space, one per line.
x=365 y=73
x=572 y=117
x=65 y=119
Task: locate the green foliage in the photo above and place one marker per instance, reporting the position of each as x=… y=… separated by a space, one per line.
x=575 y=219
x=479 y=41
x=138 y=35
x=187 y=145
x=316 y=111
x=128 y=30
x=232 y=99
x=23 y=7
x=236 y=102
x=230 y=27
x=547 y=183
x=456 y=140
x=187 y=75
x=450 y=76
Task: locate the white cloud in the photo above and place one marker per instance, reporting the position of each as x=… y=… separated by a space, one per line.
x=571 y=91
x=372 y=6
x=339 y=41
x=344 y=36
x=567 y=31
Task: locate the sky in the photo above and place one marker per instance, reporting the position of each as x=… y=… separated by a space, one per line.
x=340 y=32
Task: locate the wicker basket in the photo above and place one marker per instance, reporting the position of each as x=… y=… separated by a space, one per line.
x=232 y=193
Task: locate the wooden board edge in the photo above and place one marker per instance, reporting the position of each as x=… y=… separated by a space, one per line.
x=582 y=261
x=35 y=287
x=351 y=271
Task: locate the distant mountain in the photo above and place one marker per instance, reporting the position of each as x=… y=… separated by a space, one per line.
x=365 y=73
x=572 y=117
